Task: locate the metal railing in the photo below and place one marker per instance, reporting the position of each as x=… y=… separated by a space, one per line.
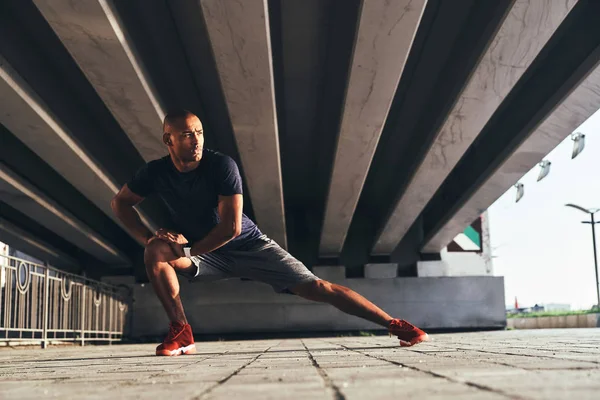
x=43 y=304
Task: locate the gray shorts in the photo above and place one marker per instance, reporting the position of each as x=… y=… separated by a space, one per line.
x=262 y=260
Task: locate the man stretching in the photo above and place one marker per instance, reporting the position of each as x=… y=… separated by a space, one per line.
x=215 y=240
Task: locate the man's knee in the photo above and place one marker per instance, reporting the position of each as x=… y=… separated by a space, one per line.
x=318 y=290
x=158 y=251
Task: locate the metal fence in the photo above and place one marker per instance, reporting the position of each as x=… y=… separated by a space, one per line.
x=43 y=304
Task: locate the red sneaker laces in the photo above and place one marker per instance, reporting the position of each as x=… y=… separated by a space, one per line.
x=399 y=325
x=174 y=331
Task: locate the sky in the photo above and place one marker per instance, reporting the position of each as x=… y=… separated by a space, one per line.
x=540 y=246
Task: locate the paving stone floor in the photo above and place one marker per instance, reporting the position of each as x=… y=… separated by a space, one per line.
x=533 y=364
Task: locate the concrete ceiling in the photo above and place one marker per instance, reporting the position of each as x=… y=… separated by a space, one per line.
x=519 y=39
x=20 y=194
x=355 y=123
x=383 y=42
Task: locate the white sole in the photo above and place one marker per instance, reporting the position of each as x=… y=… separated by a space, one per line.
x=182 y=350
x=421 y=339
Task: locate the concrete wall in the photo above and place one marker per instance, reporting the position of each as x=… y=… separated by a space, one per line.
x=456 y=264
x=244 y=306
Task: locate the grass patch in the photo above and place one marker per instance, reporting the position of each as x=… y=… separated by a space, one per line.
x=355 y=333
x=550 y=314
x=363 y=333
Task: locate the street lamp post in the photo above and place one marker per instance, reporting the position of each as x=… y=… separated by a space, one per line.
x=593 y=222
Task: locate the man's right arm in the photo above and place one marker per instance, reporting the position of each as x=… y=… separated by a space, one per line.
x=122 y=205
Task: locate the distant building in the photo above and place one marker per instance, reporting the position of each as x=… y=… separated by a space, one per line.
x=557 y=307
x=524 y=310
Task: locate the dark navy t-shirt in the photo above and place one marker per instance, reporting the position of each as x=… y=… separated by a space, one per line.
x=192 y=197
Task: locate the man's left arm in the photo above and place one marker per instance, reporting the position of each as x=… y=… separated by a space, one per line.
x=230 y=225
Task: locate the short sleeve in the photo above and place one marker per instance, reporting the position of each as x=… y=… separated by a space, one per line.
x=229 y=180
x=141 y=183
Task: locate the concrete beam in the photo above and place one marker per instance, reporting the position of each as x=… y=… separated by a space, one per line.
x=333 y=273
x=526 y=29
x=385 y=36
x=94 y=36
x=240 y=37
x=26 y=115
x=572 y=112
x=21 y=195
x=28 y=243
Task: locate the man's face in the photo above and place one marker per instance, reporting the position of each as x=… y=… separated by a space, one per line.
x=187 y=139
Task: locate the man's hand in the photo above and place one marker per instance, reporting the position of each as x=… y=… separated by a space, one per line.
x=171 y=236
x=175 y=247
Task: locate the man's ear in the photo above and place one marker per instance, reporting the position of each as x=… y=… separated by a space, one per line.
x=167 y=139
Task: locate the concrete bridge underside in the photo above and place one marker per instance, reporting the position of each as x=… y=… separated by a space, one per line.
x=366 y=131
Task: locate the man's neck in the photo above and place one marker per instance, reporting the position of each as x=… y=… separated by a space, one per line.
x=183 y=166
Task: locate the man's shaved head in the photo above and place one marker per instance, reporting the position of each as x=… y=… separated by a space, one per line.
x=184 y=136
x=175 y=117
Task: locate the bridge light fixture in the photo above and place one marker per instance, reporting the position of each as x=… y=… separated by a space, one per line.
x=579 y=143
x=545 y=165
x=520 y=191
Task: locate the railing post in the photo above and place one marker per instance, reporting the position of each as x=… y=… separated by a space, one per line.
x=83 y=314
x=46 y=307
x=110 y=321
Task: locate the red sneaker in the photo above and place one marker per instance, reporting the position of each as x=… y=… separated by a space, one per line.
x=408 y=334
x=179 y=340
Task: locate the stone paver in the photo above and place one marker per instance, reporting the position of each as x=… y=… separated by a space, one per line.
x=535 y=364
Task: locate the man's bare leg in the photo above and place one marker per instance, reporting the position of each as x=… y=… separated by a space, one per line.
x=161 y=262
x=344 y=299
